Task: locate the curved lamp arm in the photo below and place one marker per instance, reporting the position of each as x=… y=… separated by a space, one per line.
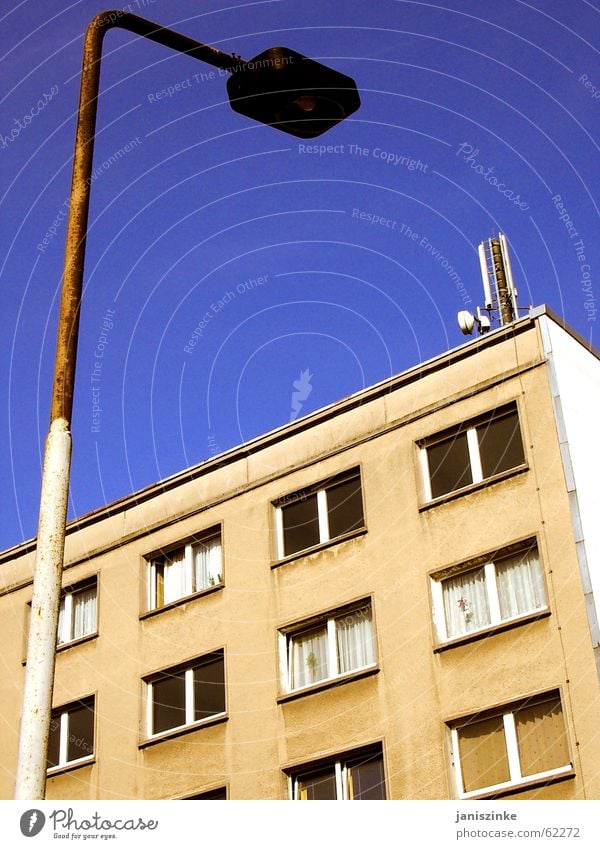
x=68 y=326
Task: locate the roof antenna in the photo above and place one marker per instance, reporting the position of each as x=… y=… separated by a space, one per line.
x=499 y=289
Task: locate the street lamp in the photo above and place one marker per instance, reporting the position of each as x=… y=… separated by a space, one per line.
x=286 y=90
x=279 y=87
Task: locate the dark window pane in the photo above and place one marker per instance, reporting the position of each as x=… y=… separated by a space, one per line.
x=219 y=793
x=81 y=732
x=54 y=742
x=300 y=524
x=318 y=785
x=449 y=466
x=209 y=687
x=365 y=778
x=168 y=697
x=344 y=504
x=500 y=444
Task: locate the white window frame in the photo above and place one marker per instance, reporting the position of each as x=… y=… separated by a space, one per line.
x=66 y=602
x=328 y=620
x=63 y=713
x=188 y=574
x=188 y=695
x=340 y=767
x=322 y=512
x=514 y=764
x=474 y=454
x=489 y=567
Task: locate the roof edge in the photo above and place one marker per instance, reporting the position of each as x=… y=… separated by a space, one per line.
x=362 y=396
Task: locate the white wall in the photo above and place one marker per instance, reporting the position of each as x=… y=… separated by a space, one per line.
x=575 y=379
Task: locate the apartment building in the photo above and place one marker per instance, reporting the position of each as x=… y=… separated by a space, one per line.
x=392 y=598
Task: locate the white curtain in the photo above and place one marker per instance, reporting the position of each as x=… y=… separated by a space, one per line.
x=84 y=613
x=77 y=615
x=465 y=603
x=174 y=577
x=354 y=637
x=64 y=625
x=309 y=658
x=207 y=564
x=520 y=584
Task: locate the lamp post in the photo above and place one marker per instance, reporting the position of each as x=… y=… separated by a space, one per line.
x=279 y=87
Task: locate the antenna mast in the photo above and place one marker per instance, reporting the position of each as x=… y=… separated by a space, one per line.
x=499 y=291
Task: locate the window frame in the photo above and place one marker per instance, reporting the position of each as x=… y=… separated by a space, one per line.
x=63 y=712
x=208 y=795
x=325 y=619
x=152 y=560
x=188 y=668
x=340 y=764
x=469 y=428
x=489 y=563
x=517 y=780
x=320 y=490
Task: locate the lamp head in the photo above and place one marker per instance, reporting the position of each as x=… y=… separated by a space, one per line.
x=297 y=95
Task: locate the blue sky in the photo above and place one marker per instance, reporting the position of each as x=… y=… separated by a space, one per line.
x=204 y=222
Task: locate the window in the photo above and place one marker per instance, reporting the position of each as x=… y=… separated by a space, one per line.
x=186 y=695
x=319 y=514
x=515 y=745
x=185 y=570
x=328 y=648
x=210 y=795
x=71 y=738
x=472 y=452
x=357 y=775
x=480 y=596
x=77 y=612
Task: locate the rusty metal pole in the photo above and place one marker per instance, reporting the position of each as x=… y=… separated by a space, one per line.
x=504 y=300
x=39 y=671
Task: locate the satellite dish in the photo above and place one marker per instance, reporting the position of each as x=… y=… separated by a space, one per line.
x=466 y=322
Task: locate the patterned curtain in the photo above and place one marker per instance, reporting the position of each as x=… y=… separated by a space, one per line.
x=466 y=603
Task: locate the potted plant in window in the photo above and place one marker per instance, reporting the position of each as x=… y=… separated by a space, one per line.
x=465 y=606
x=311 y=662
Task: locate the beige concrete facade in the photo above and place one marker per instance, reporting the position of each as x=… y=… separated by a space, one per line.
x=408 y=699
